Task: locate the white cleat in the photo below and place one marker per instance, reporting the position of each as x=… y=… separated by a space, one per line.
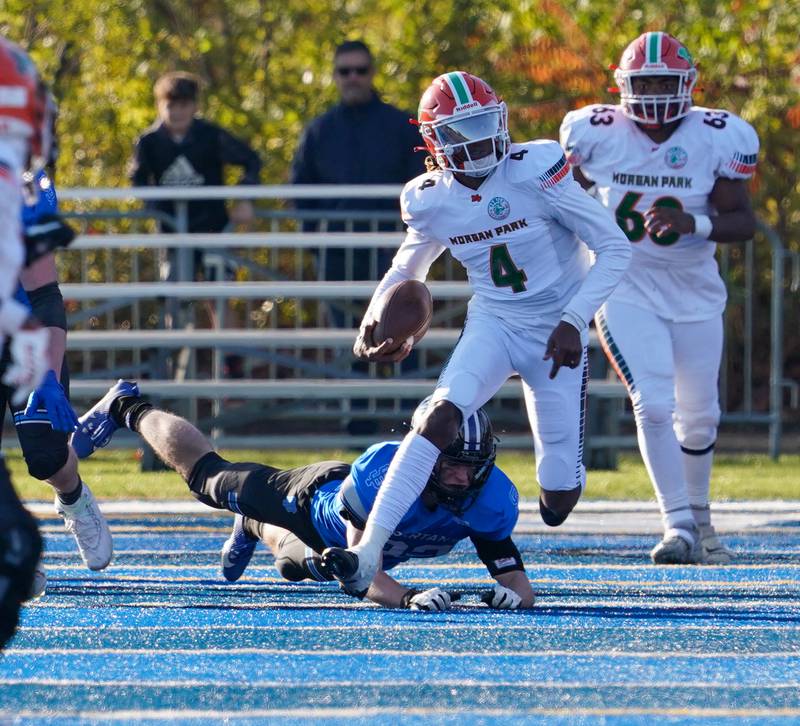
x=713 y=551
x=39 y=585
x=676 y=549
x=86 y=523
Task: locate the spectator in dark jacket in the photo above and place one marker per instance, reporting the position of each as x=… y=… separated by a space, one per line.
x=361 y=140
x=181 y=149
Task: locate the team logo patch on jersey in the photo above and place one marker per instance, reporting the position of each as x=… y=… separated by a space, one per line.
x=376 y=477
x=676 y=157
x=499 y=208
x=513 y=495
x=290 y=504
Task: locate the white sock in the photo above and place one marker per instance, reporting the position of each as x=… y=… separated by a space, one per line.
x=405 y=479
x=663 y=458
x=697 y=470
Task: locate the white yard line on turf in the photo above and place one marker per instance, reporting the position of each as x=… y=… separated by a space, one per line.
x=404 y=653
x=232 y=717
x=632 y=627
x=393 y=684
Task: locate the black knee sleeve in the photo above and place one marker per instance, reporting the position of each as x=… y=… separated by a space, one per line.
x=47 y=304
x=290 y=570
x=45 y=464
x=295 y=561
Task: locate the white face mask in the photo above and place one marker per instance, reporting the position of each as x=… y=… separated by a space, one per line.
x=480 y=167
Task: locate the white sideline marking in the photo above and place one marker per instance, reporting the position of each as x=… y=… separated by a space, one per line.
x=386 y=684
x=406 y=567
x=386 y=711
x=634 y=627
x=755 y=588
x=399 y=653
x=225 y=716
x=553 y=601
x=759 y=588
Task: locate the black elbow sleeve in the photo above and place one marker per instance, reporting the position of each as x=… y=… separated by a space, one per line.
x=499 y=556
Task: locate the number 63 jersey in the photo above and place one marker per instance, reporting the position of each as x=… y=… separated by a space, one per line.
x=674 y=275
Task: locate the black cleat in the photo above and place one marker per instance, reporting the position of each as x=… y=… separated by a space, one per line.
x=343 y=565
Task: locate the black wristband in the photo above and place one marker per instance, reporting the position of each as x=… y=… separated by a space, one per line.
x=405 y=601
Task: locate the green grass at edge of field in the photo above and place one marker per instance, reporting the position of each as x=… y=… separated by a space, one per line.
x=117 y=475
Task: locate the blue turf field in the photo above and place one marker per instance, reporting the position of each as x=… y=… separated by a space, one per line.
x=158 y=637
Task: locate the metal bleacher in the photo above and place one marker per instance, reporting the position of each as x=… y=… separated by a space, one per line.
x=299 y=388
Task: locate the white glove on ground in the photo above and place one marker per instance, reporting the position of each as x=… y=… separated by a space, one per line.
x=434 y=599
x=501 y=598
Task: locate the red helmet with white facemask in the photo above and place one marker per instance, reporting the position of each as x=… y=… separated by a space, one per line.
x=464 y=124
x=652 y=55
x=26 y=108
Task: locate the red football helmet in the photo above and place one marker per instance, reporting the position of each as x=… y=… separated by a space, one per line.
x=464 y=124
x=656 y=55
x=26 y=108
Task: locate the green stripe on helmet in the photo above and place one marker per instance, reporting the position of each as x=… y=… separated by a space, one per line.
x=654 y=47
x=460 y=90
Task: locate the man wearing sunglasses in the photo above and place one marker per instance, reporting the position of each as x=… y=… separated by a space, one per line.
x=360 y=140
x=339 y=147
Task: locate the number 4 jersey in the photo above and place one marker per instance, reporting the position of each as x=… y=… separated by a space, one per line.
x=674 y=275
x=516 y=237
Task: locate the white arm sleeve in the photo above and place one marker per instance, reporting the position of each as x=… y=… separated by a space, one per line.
x=413 y=260
x=592 y=223
x=12 y=313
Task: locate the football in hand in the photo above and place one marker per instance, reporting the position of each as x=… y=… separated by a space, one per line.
x=404 y=312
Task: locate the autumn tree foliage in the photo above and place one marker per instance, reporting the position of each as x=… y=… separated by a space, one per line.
x=267 y=69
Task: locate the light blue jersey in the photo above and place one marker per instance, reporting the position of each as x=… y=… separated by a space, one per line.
x=421 y=533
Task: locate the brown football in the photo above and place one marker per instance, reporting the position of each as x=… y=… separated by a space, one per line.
x=405 y=310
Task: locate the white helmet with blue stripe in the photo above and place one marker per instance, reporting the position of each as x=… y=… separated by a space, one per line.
x=474 y=447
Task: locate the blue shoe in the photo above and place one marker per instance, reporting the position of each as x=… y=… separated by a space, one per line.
x=237 y=551
x=96 y=427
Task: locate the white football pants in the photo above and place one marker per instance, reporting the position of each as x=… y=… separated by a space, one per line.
x=487 y=354
x=671 y=371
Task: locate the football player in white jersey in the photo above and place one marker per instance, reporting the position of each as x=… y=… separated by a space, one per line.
x=673 y=175
x=512 y=215
x=24 y=137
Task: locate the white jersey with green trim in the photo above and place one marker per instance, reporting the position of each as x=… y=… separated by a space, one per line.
x=516 y=237
x=674 y=275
